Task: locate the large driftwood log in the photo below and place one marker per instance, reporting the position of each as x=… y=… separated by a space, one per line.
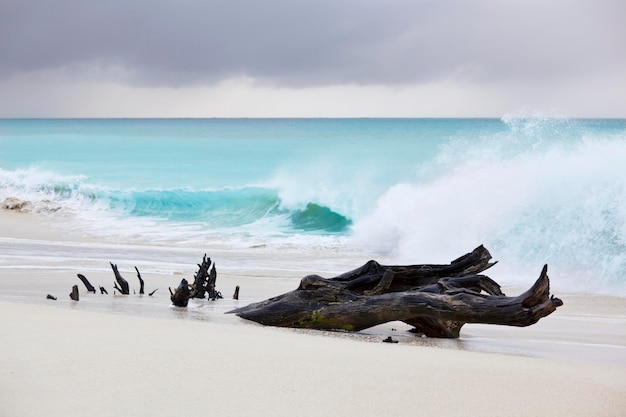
x=437 y=300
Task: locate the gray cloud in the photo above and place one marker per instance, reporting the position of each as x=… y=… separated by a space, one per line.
x=314 y=43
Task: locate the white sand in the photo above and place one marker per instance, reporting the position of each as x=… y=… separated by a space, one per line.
x=93 y=358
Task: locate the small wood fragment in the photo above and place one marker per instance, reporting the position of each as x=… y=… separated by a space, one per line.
x=180 y=298
x=140 y=281
x=85 y=281
x=123 y=288
x=74 y=293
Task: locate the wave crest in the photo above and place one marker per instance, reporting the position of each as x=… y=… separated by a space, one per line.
x=209 y=209
x=562 y=201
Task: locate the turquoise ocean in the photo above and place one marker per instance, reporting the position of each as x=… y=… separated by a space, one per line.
x=532 y=190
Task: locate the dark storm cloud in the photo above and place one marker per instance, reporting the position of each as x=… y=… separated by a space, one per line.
x=311 y=43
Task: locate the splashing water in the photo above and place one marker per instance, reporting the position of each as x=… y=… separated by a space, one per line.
x=533 y=190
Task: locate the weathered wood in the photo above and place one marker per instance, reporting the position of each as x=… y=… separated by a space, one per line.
x=199 y=286
x=123 y=284
x=236 y=293
x=103 y=290
x=90 y=288
x=74 y=294
x=140 y=281
x=180 y=297
x=211 y=290
x=203 y=284
x=204 y=280
x=436 y=299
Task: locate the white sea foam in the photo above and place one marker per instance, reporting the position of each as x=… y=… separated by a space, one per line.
x=562 y=204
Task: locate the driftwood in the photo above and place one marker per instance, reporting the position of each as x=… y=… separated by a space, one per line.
x=123 y=284
x=204 y=280
x=437 y=300
x=203 y=285
x=180 y=297
x=140 y=281
x=90 y=288
x=74 y=294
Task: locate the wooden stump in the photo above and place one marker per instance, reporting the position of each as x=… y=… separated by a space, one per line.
x=74 y=294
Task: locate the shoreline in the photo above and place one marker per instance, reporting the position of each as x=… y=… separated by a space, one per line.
x=107 y=354
x=589 y=328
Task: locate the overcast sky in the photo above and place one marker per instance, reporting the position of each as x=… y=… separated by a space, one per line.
x=302 y=58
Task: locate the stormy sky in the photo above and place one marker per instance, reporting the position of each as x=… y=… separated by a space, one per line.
x=275 y=58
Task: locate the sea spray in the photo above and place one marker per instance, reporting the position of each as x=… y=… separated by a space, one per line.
x=559 y=198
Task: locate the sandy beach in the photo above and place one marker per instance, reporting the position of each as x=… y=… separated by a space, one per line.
x=111 y=355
